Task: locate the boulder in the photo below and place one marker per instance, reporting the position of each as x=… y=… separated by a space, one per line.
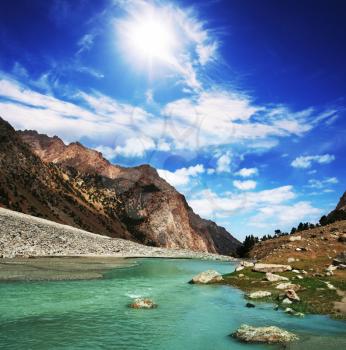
x=292 y=295
x=288 y=285
x=209 y=276
x=143 y=303
x=269 y=335
x=275 y=278
x=239 y=268
x=287 y=301
x=295 y=238
x=259 y=267
x=259 y=294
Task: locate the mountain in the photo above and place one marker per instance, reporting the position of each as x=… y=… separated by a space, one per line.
x=72 y=184
x=342 y=203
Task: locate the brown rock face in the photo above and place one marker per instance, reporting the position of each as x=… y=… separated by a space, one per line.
x=342 y=203
x=134 y=203
x=29 y=185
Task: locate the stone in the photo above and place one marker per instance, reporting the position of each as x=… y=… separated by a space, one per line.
x=296 y=271
x=330 y=286
x=288 y=310
x=292 y=295
x=342 y=267
x=241 y=275
x=298 y=249
x=299 y=314
x=209 y=276
x=250 y=305
x=295 y=238
x=290 y=260
x=143 y=303
x=300 y=277
x=269 y=335
x=287 y=301
x=288 y=285
x=239 y=268
x=259 y=267
x=275 y=278
x=247 y=263
x=259 y=294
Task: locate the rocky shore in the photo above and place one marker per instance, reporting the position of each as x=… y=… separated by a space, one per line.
x=23 y=235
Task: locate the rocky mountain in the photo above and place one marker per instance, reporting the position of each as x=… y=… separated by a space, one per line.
x=342 y=203
x=72 y=184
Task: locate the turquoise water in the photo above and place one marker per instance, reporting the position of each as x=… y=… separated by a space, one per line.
x=93 y=314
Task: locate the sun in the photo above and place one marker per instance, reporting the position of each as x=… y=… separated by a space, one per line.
x=150 y=37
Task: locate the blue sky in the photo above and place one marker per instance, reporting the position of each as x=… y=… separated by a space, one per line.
x=239 y=104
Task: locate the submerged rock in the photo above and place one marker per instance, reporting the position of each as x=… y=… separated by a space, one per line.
x=269 y=335
x=259 y=267
x=275 y=278
x=209 y=276
x=143 y=303
x=250 y=305
x=260 y=294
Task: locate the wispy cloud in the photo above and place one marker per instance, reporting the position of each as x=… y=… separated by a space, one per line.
x=319 y=184
x=245 y=185
x=305 y=162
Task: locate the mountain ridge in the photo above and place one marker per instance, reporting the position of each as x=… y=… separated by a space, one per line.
x=134 y=203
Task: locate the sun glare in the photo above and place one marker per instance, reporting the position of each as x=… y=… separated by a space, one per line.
x=151 y=38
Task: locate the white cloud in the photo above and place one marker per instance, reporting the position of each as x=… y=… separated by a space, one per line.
x=285 y=215
x=247 y=172
x=245 y=185
x=313 y=183
x=135 y=147
x=223 y=163
x=208 y=203
x=181 y=176
x=305 y=162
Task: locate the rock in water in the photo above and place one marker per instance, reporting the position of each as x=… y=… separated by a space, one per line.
x=260 y=294
x=143 y=303
x=269 y=335
x=259 y=267
x=250 y=305
x=275 y=278
x=209 y=276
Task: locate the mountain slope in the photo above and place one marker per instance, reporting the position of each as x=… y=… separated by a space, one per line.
x=134 y=203
x=31 y=186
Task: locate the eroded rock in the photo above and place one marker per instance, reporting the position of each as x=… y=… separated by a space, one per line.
x=269 y=335
x=143 y=303
x=259 y=267
x=271 y=277
x=209 y=276
x=259 y=294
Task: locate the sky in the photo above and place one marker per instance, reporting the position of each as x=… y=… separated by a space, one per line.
x=239 y=104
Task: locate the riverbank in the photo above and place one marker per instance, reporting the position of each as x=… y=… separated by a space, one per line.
x=323 y=295
x=27 y=236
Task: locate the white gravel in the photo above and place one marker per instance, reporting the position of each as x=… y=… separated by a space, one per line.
x=24 y=235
